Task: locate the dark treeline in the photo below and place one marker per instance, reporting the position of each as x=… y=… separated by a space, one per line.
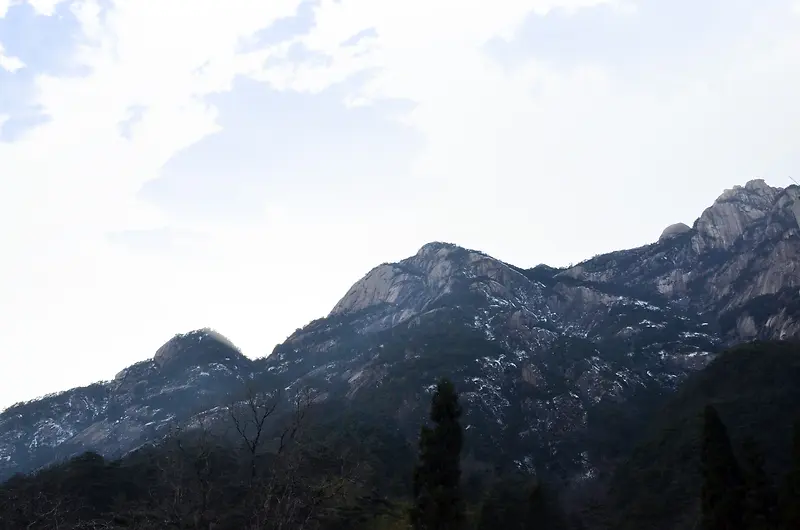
x=260 y=464
x=263 y=464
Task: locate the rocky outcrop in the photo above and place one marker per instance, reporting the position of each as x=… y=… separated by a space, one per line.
x=674 y=230
x=196 y=347
x=721 y=225
x=386 y=284
x=746 y=245
x=415 y=285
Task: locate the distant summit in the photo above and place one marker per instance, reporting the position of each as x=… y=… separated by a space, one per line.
x=201 y=346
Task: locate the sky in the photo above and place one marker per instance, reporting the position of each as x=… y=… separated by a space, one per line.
x=175 y=164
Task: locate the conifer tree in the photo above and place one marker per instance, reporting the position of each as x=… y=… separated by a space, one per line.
x=508 y=503
x=520 y=502
x=438 y=503
x=790 y=499
x=722 y=490
x=760 y=503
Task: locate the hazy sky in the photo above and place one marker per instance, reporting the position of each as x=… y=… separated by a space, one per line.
x=173 y=164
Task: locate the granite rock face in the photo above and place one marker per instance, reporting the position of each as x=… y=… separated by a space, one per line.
x=721 y=225
x=745 y=246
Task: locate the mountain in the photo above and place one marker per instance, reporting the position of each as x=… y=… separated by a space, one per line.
x=557 y=367
x=541 y=364
x=192 y=373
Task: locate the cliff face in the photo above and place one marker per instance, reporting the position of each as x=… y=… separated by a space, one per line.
x=554 y=365
x=745 y=246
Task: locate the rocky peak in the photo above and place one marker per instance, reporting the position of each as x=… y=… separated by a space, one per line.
x=721 y=224
x=759 y=186
x=414 y=284
x=196 y=347
x=752 y=191
x=743 y=251
x=395 y=283
x=674 y=230
x=789 y=201
x=388 y=283
x=438 y=248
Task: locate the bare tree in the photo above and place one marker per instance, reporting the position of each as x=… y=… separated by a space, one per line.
x=190 y=466
x=250 y=417
x=278 y=475
x=201 y=471
x=291 y=482
x=48 y=513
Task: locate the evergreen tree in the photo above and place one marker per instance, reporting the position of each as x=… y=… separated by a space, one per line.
x=520 y=502
x=507 y=504
x=545 y=509
x=722 y=490
x=790 y=499
x=760 y=502
x=438 y=504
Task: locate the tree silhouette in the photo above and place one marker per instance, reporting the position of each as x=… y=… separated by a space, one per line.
x=438 y=503
x=790 y=498
x=722 y=489
x=760 y=503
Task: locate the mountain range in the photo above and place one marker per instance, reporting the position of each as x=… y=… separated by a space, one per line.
x=556 y=367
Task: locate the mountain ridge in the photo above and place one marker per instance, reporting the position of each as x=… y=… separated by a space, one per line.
x=544 y=355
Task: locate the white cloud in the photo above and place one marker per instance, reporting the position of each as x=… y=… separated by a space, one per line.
x=519 y=158
x=69 y=182
x=9 y=64
x=45 y=7
x=504 y=136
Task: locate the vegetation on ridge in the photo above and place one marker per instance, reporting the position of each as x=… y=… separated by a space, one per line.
x=311 y=466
